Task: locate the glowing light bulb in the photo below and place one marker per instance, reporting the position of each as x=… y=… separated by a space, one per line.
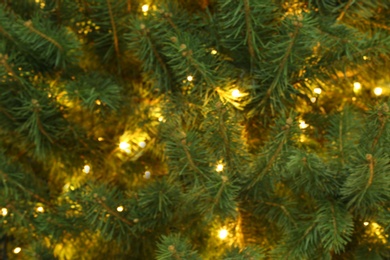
x=4 y=211
x=378 y=91
x=317 y=91
x=124 y=146
x=213 y=52
x=100 y=139
x=147 y=175
x=190 y=78
x=219 y=167
x=86 y=169
x=357 y=86
x=40 y=209
x=223 y=233
x=119 y=209
x=303 y=125
x=313 y=99
x=17 y=250
x=236 y=93
x=160 y=118
x=366 y=223
x=145 y=8
x=142 y=144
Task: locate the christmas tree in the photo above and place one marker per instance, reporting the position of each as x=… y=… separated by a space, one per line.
x=209 y=129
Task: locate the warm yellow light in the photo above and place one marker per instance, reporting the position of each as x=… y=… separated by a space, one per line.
x=100 y=139
x=147 y=175
x=213 y=52
x=124 y=146
x=219 y=167
x=160 y=118
x=40 y=209
x=223 y=233
x=357 y=86
x=303 y=125
x=313 y=99
x=145 y=8
x=4 y=211
x=365 y=58
x=378 y=91
x=86 y=169
x=190 y=78
x=366 y=223
x=119 y=209
x=17 y=250
x=236 y=93
x=317 y=91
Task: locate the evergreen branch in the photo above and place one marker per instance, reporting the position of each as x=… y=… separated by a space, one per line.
x=334 y=220
x=225 y=137
x=249 y=30
x=5 y=112
x=382 y=128
x=350 y=2
x=341 y=139
x=190 y=160
x=114 y=31
x=283 y=208
x=302 y=238
x=382 y=26
x=30 y=26
x=112 y=212
x=128 y=5
x=281 y=66
x=40 y=126
x=371 y=166
x=271 y=161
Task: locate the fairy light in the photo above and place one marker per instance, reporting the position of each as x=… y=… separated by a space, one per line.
x=17 y=250
x=378 y=91
x=213 y=52
x=236 y=93
x=124 y=146
x=223 y=233
x=160 y=119
x=145 y=8
x=100 y=139
x=40 y=209
x=317 y=91
x=190 y=78
x=219 y=167
x=303 y=125
x=4 y=212
x=86 y=169
x=313 y=99
x=357 y=86
x=366 y=223
x=119 y=208
x=147 y=175
x=142 y=144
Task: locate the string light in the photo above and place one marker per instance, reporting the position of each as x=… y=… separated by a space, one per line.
x=190 y=78
x=213 y=52
x=223 y=233
x=86 y=169
x=145 y=8
x=4 y=212
x=119 y=209
x=357 y=86
x=40 y=209
x=124 y=146
x=160 y=119
x=378 y=91
x=236 y=93
x=366 y=223
x=142 y=144
x=313 y=99
x=317 y=91
x=303 y=125
x=147 y=175
x=100 y=139
x=17 y=250
x=219 y=167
